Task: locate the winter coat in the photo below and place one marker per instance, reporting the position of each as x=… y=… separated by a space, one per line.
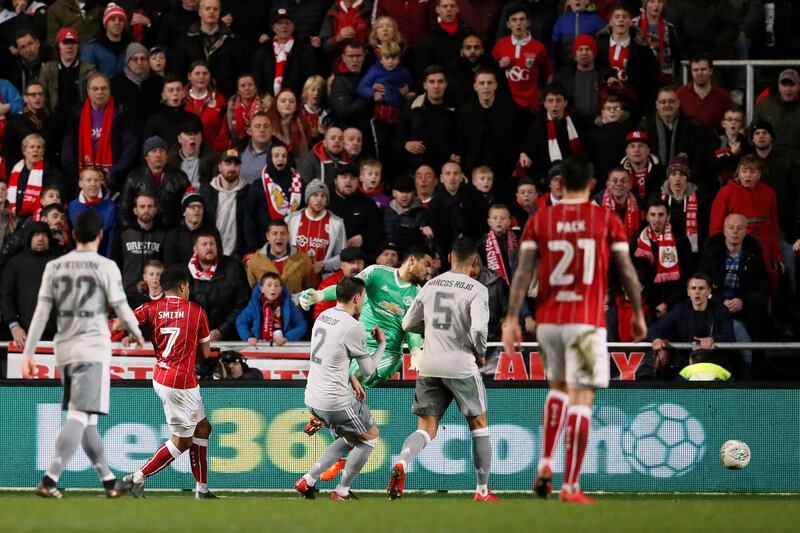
x=248 y=323
x=223 y=296
x=10 y=95
x=347 y=109
x=108 y=214
x=298 y=67
x=222 y=57
x=107 y=56
x=494 y=132
x=209 y=159
x=452 y=215
x=585 y=22
x=438 y=47
x=320 y=164
x=169 y=192
x=760 y=206
x=166 y=123
x=141 y=100
x=179 y=243
x=392 y=80
x=785 y=120
x=298 y=269
x=132 y=248
x=67 y=14
x=403 y=228
x=361 y=217
x=48 y=77
x=433 y=126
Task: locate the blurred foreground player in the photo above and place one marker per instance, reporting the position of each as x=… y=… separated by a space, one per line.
x=337 y=339
x=457 y=311
x=571 y=242
x=179 y=328
x=81 y=285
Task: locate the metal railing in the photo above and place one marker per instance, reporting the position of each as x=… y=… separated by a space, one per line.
x=749 y=66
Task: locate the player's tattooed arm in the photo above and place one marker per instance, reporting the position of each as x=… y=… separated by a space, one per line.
x=523 y=275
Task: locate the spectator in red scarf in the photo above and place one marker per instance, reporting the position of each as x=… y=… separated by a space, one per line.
x=618 y=198
x=647 y=173
x=441 y=45
x=210 y=105
x=29 y=176
x=241 y=108
x=345 y=20
x=499 y=247
x=271 y=315
x=285 y=61
x=661 y=37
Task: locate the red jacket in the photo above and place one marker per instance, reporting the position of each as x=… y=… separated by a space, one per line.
x=760 y=206
x=327 y=282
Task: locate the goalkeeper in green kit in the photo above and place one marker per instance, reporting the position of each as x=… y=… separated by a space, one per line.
x=390 y=292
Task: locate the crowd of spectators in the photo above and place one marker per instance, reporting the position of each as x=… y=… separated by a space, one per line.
x=274 y=146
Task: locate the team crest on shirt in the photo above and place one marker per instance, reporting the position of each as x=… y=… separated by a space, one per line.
x=193 y=415
x=407 y=300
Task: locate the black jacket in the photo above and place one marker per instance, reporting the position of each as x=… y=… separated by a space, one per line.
x=452 y=215
x=209 y=159
x=223 y=296
x=361 y=217
x=168 y=191
x=438 y=47
x=403 y=229
x=347 y=109
x=498 y=301
x=211 y=197
x=141 y=101
x=432 y=125
x=21 y=279
x=222 y=57
x=299 y=66
x=18 y=128
x=166 y=123
x=132 y=248
x=488 y=137
x=179 y=243
x=461 y=79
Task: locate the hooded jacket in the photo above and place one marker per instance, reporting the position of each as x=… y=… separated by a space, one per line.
x=133 y=248
x=221 y=206
x=402 y=225
x=248 y=323
x=319 y=163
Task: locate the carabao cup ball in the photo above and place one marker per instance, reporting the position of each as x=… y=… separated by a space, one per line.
x=734 y=454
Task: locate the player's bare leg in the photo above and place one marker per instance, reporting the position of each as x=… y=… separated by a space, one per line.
x=427 y=425
x=576 y=436
x=198 y=453
x=162 y=458
x=553 y=416
x=481 y=457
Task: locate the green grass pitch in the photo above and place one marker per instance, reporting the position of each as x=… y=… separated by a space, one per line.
x=176 y=512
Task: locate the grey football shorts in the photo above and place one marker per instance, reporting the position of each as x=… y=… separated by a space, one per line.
x=86 y=387
x=353 y=420
x=432 y=396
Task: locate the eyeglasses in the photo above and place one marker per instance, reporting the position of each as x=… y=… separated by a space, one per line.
x=612 y=108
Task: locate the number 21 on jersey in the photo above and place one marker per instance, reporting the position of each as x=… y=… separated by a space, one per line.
x=563 y=273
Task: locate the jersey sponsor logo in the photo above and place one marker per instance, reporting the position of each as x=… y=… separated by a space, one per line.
x=313 y=242
x=392 y=308
x=517 y=73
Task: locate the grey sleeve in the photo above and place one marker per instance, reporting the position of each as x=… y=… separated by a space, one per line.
x=414 y=319
x=44 y=305
x=479 y=318
x=115 y=293
x=357 y=349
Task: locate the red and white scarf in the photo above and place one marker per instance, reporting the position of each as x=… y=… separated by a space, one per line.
x=552 y=140
x=690 y=208
x=279 y=206
x=197 y=272
x=103 y=157
x=449 y=27
x=631 y=220
x=242 y=113
x=639 y=178
x=89 y=202
x=494 y=256
x=351 y=16
x=282 y=51
x=667 y=267
x=662 y=30
x=270 y=317
x=31 y=196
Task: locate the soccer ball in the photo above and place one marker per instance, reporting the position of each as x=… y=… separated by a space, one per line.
x=663 y=441
x=734 y=454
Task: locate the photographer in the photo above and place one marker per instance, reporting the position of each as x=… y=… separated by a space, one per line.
x=232 y=365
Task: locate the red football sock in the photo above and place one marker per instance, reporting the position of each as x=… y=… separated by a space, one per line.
x=555 y=409
x=197 y=456
x=161 y=459
x=576 y=436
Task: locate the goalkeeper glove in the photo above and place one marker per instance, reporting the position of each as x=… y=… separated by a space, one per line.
x=416 y=354
x=309 y=297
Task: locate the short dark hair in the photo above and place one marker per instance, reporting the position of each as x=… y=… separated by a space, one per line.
x=348 y=287
x=498 y=205
x=702 y=56
x=700 y=275
x=417 y=251
x=88 y=226
x=269 y=275
x=171 y=78
x=431 y=70
x=617 y=168
x=277 y=222
x=463 y=249
x=146 y=193
x=618 y=7
x=576 y=173
x=352 y=43
x=52 y=207
x=172 y=278
x=527 y=181
x=484 y=70
x=555 y=88
x=23 y=32
x=203 y=232
x=658 y=202
x=516 y=8
x=31 y=84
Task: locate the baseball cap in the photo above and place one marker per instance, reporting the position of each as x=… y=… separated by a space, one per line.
x=789 y=74
x=281 y=13
x=231 y=154
x=637 y=136
x=350 y=254
x=191 y=124
x=66 y=34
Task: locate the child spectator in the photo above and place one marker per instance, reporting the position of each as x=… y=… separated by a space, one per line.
x=91 y=198
x=314 y=110
x=483 y=180
x=575 y=21
x=369 y=174
x=498 y=248
x=158 y=61
x=50 y=195
x=731 y=145
x=525 y=205
x=149 y=289
x=404 y=216
x=352 y=263
x=389 y=84
x=271 y=315
x=660 y=35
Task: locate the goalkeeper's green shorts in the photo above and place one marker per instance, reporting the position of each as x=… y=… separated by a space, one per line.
x=390 y=364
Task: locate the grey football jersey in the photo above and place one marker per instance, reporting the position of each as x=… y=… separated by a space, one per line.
x=455 y=311
x=81 y=286
x=336 y=338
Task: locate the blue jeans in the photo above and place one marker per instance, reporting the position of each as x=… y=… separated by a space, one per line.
x=741 y=335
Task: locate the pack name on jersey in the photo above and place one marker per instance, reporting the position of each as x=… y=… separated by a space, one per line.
x=166 y=315
x=451 y=283
x=574 y=226
x=76 y=264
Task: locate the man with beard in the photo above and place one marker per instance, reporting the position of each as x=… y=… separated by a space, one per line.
x=179 y=241
x=325 y=159
x=225 y=200
x=275 y=196
x=140 y=242
x=471 y=58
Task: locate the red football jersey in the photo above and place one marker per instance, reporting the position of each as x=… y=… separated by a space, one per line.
x=529 y=61
x=573 y=241
x=313 y=236
x=178 y=327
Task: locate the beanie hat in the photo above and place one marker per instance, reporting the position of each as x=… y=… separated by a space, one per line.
x=133 y=49
x=315 y=186
x=191 y=196
x=113 y=10
x=584 y=40
x=679 y=163
x=152 y=143
x=761 y=125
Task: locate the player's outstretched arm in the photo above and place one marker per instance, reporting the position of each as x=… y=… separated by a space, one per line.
x=413 y=320
x=309 y=297
x=128 y=320
x=630 y=283
x=525 y=273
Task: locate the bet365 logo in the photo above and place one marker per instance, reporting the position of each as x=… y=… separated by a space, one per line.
x=663 y=440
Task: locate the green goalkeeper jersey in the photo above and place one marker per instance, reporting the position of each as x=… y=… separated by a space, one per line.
x=388 y=298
